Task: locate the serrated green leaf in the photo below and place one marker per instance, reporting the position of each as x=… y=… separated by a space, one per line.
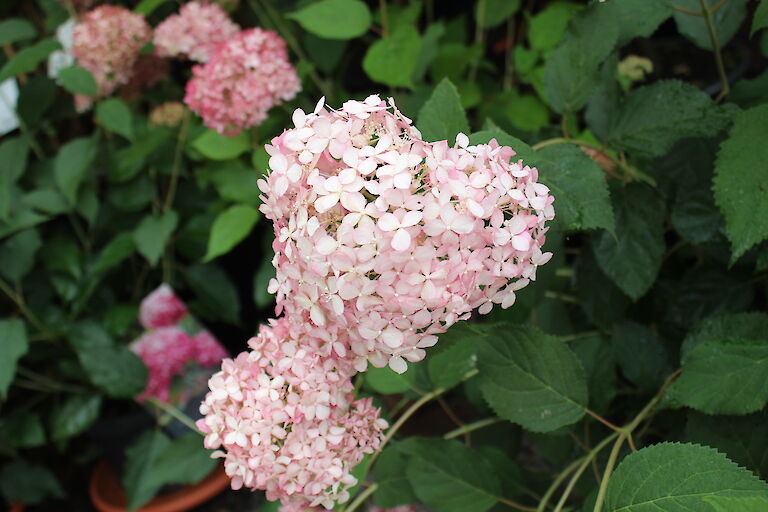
x=71 y=165
x=216 y=146
x=741 y=438
x=78 y=80
x=230 y=228
x=727 y=504
x=334 y=19
x=495 y=12
x=740 y=325
x=74 y=416
x=579 y=186
x=28 y=58
x=531 y=378
x=17 y=254
x=760 y=19
x=217 y=295
x=453 y=357
x=741 y=180
x=654 y=117
x=450 y=477
x=392 y=60
x=571 y=73
x=16 y=29
x=672 y=477
x=389 y=473
x=387 y=381
x=27 y=483
x=727 y=20
x=631 y=257
x=14 y=344
x=642 y=357
x=116 y=117
x=522 y=150
x=152 y=233
x=442 y=116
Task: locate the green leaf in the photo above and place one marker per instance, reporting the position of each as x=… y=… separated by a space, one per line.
x=637 y=18
x=392 y=60
x=140 y=457
x=153 y=233
x=230 y=228
x=447 y=476
x=632 y=257
x=727 y=20
x=27 y=483
x=17 y=254
x=596 y=357
x=21 y=429
x=72 y=162
x=453 y=357
x=217 y=295
x=234 y=182
x=334 y=19
x=579 y=186
x=389 y=473
x=35 y=98
x=264 y=273
x=740 y=325
x=641 y=356
x=387 y=381
x=442 y=117
x=28 y=59
x=571 y=73
x=547 y=27
x=14 y=344
x=748 y=93
x=495 y=12
x=78 y=80
x=760 y=20
x=324 y=53
x=522 y=150
x=531 y=378
x=741 y=438
x=741 y=180
x=16 y=29
x=147 y=7
x=74 y=416
x=672 y=477
x=14 y=152
x=114 y=253
x=725 y=504
x=113 y=368
x=728 y=375
x=116 y=117
x=602 y=301
x=654 y=117
x=216 y=146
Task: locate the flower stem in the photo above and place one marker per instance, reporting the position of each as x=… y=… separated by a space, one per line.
x=707 y=11
x=470 y=427
x=175 y=413
x=360 y=498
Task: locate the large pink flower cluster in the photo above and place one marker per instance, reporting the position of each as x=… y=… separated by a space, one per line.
x=286 y=417
x=247 y=75
x=383 y=240
x=195 y=32
x=106 y=42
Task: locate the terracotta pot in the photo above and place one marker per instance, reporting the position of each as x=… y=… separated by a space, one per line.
x=17 y=507
x=108 y=495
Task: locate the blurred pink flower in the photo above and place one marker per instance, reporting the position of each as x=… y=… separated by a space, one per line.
x=195 y=32
x=248 y=75
x=161 y=308
x=165 y=352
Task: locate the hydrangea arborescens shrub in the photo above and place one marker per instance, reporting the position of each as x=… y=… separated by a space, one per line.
x=382 y=242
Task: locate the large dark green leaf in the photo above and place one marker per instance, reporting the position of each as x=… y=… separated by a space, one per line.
x=28 y=58
x=27 y=483
x=642 y=357
x=74 y=416
x=72 y=163
x=17 y=254
x=230 y=228
x=454 y=356
x=442 y=116
x=727 y=20
x=389 y=473
x=217 y=295
x=13 y=345
x=334 y=19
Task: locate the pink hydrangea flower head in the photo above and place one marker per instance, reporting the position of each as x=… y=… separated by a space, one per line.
x=165 y=351
x=285 y=417
x=383 y=240
x=195 y=32
x=107 y=41
x=207 y=349
x=248 y=75
x=161 y=308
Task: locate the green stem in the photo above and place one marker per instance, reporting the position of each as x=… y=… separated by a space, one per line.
x=578 y=336
x=175 y=413
x=18 y=299
x=384 y=18
x=558 y=481
x=585 y=462
x=180 y=141
x=360 y=498
x=470 y=427
x=707 y=11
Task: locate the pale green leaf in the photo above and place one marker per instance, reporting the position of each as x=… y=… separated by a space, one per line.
x=153 y=233
x=28 y=59
x=672 y=477
x=741 y=180
x=491 y=13
x=78 y=80
x=230 y=228
x=547 y=27
x=387 y=381
x=442 y=117
x=146 y=7
x=392 y=60
x=16 y=29
x=116 y=117
x=632 y=256
x=334 y=19
x=531 y=378
x=72 y=163
x=13 y=345
x=216 y=146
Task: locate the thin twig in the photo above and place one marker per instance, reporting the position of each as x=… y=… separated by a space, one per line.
x=471 y=427
x=726 y=87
